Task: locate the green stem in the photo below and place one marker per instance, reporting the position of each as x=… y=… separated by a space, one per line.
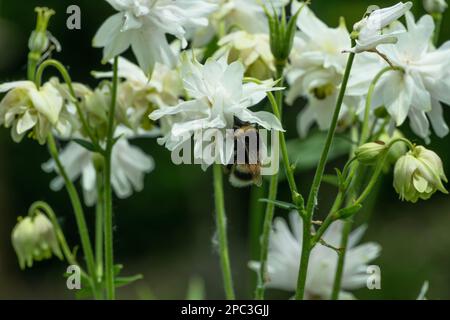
x=296 y=197
x=267 y=227
x=277 y=106
x=33 y=59
x=307 y=217
x=108 y=227
x=99 y=221
x=221 y=222
x=347 y=228
x=365 y=132
x=256 y=221
x=63 y=71
x=349 y=222
x=70 y=258
x=329 y=219
x=437 y=17
x=78 y=210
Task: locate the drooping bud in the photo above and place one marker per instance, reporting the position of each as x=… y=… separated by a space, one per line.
x=369 y=153
x=419 y=174
x=34 y=239
x=435 y=6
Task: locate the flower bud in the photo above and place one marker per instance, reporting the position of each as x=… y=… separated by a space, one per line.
x=282 y=32
x=34 y=238
x=418 y=175
x=39 y=40
x=435 y=6
x=369 y=153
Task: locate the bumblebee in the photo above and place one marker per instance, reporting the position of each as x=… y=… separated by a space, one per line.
x=246 y=168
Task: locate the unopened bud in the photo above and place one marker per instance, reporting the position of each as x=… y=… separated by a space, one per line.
x=369 y=153
x=39 y=41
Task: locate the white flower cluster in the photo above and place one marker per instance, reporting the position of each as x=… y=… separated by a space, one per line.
x=414 y=91
x=398 y=74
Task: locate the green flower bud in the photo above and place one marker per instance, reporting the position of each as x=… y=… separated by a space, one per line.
x=435 y=6
x=39 y=41
x=34 y=239
x=282 y=32
x=418 y=175
x=369 y=153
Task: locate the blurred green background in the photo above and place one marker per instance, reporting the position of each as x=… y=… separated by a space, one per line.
x=166 y=231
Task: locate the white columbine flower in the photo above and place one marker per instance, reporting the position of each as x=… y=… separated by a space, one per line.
x=129 y=166
x=25 y=108
x=419 y=174
x=219 y=96
x=370 y=29
x=34 y=239
x=247 y=15
x=253 y=50
x=417 y=92
x=316 y=70
x=284 y=260
x=138 y=95
x=143 y=25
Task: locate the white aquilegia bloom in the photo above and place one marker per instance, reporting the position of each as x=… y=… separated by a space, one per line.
x=218 y=97
x=284 y=260
x=316 y=70
x=253 y=50
x=247 y=15
x=419 y=174
x=129 y=165
x=25 y=108
x=370 y=28
x=138 y=95
x=143 y=25
x=417 y=92
x=34 y=239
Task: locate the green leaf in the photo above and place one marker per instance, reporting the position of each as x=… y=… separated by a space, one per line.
x=117 y=139
x=124 y=281
x=349 y=211
x=117 y=269
x=86 y=144
x=291 y=28
x=280 y=204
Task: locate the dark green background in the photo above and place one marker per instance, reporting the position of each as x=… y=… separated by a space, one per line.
x=165 y=232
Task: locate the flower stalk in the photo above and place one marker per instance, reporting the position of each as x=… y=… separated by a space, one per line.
x=108 y=221
x=221 y=221
x=308 y=214
x=79 y=214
